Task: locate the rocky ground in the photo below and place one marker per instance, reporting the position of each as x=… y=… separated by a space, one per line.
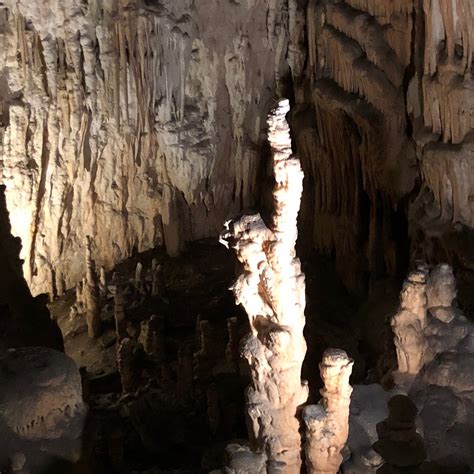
x=188 y=402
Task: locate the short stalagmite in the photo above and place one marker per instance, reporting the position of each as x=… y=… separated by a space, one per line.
x=272 y=291
x=410 y=321
x=327 y=424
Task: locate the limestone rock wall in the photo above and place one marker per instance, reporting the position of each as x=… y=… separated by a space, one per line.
x=137 y=122
x=141 y=122
x=384 y=114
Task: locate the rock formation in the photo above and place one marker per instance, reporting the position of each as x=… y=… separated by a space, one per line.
x=137 y=124
x=127 y=353
x=152 y=337
x=399 y=444
x=102 y=285
x=409 y=323
x=138 y=280
x=41 y=407
x=91 y=295
x=327 y=424
x=119 y=310
x=272 y=291
x=383 y=97
x=24 y=320
x=232 y=350
x=440 y=353
x=156 y=283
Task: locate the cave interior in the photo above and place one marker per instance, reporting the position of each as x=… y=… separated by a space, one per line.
x=237 y=236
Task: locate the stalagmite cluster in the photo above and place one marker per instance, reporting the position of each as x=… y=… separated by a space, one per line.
x=428 y=324
x=272 y=291
x=327 y=424
x=435 y=354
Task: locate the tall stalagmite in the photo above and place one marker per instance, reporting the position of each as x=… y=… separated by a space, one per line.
x=272 y=291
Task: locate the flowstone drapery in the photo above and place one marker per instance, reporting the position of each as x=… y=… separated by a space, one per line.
x=272 y=291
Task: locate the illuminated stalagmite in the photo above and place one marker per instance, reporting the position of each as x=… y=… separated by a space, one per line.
x=272 y=291
x=435 y=353
x=409 y=323
x=327 y=424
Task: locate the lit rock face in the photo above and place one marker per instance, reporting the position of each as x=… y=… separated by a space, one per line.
x=24 y=320
x=132 y=122
x=272 y=291
x=327 y=424
x=40 y=402
x=435 y=352
x=384 y=93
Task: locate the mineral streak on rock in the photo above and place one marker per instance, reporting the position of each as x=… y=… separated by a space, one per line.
x=272 y=291
x=327 y=424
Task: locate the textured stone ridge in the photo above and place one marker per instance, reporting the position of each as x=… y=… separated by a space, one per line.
x=384 y=100
x=132 y=122
x=272 y=291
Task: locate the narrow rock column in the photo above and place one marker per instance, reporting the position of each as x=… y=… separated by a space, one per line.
x=103 y=284
x=127 y=351
x=138 y=278
x=327 y=424
x=91 y=295
x=156 y=281
x=272 y=291
x=409 y=322
x=119 y=311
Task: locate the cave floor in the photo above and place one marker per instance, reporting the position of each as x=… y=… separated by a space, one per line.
x=170 y=424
